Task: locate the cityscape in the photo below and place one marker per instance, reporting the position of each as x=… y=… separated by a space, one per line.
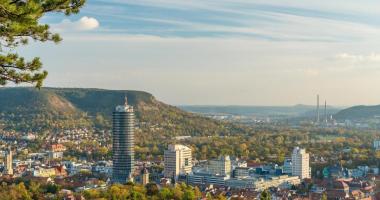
x=222 y=177
x=189 y=100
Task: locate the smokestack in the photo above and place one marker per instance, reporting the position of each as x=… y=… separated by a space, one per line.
x=317 y=108
x=325 y=112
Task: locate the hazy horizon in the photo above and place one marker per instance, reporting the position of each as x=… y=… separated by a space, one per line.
x=200 y=105
x=228 y=52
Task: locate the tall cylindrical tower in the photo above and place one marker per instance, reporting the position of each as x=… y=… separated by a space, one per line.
x=123 y=124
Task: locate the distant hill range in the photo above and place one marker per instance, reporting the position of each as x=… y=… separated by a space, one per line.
x=26 y=109
x=358 y=113
x=263 y=111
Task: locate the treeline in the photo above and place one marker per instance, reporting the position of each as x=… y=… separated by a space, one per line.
x=29 y=191
x=149 y=192
x=36 y=191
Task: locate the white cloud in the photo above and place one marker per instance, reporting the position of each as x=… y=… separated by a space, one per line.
x=83 y=24
x=373 y=57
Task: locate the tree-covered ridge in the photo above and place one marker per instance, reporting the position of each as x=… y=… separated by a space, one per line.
x=61 y=108
x=359 y=112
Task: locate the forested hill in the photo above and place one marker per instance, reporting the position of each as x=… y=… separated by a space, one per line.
x=62 y=108
x=359 y=112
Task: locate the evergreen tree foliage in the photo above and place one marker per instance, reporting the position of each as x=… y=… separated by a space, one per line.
x=19 y=22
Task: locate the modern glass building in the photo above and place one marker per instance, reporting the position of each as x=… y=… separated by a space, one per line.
x=123 y=124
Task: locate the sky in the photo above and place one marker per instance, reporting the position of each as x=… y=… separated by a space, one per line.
x=220 y=52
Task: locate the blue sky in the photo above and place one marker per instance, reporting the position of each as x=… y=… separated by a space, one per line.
x=246 y=52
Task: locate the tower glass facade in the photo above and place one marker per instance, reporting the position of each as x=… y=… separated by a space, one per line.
x=123 y=124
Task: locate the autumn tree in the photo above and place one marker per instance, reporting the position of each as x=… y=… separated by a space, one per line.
x=265 y=195
x=20 y=22
x=324 y=196
x=152 y=189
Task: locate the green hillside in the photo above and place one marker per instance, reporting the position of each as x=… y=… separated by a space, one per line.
x=359 y=112
x=60 y=108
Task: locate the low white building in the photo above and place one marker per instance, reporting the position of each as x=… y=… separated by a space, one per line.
x=72 y=167
x=206 y=178
x=241 y=172
x=283 y=182
x=241 y=183
x=103 y=167
x=55 y=154
x=376 y=144
x=239 y=163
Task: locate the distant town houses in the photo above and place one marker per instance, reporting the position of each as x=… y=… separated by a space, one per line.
x=340 y=172
x=102 y=167
x=56 y=171
x=226 y=175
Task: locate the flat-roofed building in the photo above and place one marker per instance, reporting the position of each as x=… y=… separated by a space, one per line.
x=206 y=178
x=177 y=160
x=220 y=166
x=260 y=184
x=300 y=163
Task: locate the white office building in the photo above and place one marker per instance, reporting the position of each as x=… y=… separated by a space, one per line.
x=220 y=166
x=178 y=160
x=300 y=163
x=376 y=144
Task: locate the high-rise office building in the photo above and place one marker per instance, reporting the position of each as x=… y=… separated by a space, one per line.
x=8 y=162
x=123 y=124
x=178 y=160
x=220 y=166
x=300 y=163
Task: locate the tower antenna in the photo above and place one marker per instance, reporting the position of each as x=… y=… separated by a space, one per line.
x=317 y=108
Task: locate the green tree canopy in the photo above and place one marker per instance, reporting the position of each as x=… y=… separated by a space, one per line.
x=19 y=22
x=265 y=195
